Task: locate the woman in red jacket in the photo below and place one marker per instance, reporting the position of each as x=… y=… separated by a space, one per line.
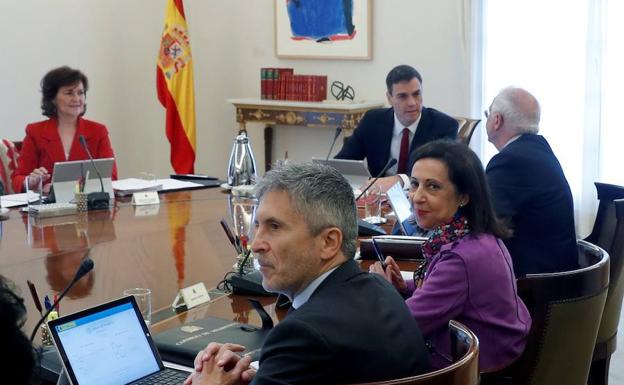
x=57 y=139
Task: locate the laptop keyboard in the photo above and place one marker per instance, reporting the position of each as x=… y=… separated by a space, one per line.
x=165 y=377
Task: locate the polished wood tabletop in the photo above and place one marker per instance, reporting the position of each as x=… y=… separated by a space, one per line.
x=164 y=248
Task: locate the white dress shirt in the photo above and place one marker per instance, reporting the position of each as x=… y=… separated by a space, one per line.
x=305 y=294
x=395 y=146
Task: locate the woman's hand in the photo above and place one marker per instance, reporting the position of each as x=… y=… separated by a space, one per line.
x=40 y=172
x=392 y=273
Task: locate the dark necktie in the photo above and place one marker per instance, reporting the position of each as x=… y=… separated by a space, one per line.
x=404 y=152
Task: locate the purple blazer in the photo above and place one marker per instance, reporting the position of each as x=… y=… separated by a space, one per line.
x=472 y=281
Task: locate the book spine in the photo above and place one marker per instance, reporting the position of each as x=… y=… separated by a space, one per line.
x=270 y=83
x=263 y=85
x=322 y=88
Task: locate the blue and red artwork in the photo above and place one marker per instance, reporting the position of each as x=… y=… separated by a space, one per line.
x=321 y=20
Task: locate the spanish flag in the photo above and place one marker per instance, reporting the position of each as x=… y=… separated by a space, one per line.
x=174 y=83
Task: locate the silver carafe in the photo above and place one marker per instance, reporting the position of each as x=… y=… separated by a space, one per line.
x=242 y=164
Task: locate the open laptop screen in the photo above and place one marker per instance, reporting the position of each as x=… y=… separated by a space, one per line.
x=355 y=171
x=105 y=345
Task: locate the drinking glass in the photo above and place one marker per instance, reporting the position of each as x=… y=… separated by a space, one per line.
x=372 y=205
x=34 y=189
x=143 y=299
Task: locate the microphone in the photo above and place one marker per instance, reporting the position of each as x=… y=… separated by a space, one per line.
x=336 y=135
x=85 y=266
x=95 y=200
x=390 y=163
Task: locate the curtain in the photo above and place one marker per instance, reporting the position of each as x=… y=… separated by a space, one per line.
x=565 y=53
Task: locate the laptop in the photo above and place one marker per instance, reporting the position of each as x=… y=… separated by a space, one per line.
x=355 y=171
x=110 y=345
x=66 y=175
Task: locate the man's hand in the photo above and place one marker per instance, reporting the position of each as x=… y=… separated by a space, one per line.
x=385 y=183
x=219 y=364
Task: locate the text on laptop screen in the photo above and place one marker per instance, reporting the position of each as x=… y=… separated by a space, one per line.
x=108 y=347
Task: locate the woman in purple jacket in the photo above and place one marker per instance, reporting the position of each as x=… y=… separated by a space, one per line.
x=468 y=275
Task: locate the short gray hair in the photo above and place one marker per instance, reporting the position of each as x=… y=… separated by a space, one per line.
x=520 y=109
x=320 y=194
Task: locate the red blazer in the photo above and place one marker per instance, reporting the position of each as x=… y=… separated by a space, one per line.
x=42 y=147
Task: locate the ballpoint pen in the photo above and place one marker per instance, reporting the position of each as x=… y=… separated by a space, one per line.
x=35 y=296
x=230 y=235
x=46 y=302
x=378 y=253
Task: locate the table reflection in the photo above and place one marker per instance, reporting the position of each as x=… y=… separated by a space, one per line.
x=179 y=215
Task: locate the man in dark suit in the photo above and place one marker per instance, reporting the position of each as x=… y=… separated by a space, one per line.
x=347 y=326
x=529 y=188
x=396 y=132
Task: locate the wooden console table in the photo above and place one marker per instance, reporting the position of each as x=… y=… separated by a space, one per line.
x=309 y=114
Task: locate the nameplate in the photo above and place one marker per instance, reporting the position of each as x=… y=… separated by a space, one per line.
x=145 y=198
x=191 y=296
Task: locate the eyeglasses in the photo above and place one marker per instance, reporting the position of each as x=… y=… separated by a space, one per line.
x=486 y=113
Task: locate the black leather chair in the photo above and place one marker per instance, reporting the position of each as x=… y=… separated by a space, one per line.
x=608 y=233
x=467 y=127
x=465 y=369
x=566 y=309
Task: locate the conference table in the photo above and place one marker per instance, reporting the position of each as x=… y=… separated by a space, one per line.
x=164 y=247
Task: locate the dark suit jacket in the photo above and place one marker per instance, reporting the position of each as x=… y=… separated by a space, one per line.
x=354 y=328
x=530 y=191
x=42 y=147
x=372 y=138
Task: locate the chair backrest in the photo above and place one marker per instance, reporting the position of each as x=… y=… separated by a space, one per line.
x=9 y=154
x=606 y=340
x=566 y=309
x=463 y=371
x=466 y=129
x=608 y=233
x=602 y=234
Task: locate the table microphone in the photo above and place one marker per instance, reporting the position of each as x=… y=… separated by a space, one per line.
x=95 y=200
x=336 y=135
x=390 y=163
x=85 y=266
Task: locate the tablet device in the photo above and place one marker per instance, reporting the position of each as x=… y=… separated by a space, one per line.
x=66 y=175
x=109 y=344
x=400 y=204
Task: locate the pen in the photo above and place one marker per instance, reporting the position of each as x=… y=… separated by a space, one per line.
x=229 y=234
x=46 y=302
x=35 y=296
x=84 y=182
x=57 y=304
x=245 y=252
x=378 y=253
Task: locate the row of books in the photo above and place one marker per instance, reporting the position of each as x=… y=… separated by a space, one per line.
x=283 y=84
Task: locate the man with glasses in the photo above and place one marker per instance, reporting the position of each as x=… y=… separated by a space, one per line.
x=395 y=132
x=529 y=189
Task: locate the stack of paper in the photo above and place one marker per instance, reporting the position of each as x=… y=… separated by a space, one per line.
x=14 y=200
x=132 y=185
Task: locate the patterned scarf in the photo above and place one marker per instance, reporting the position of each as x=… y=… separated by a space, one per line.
x=453 y=230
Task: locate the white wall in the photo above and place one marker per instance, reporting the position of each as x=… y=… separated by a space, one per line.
x=115 y=43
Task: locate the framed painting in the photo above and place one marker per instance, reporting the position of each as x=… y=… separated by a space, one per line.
x=323 y=29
